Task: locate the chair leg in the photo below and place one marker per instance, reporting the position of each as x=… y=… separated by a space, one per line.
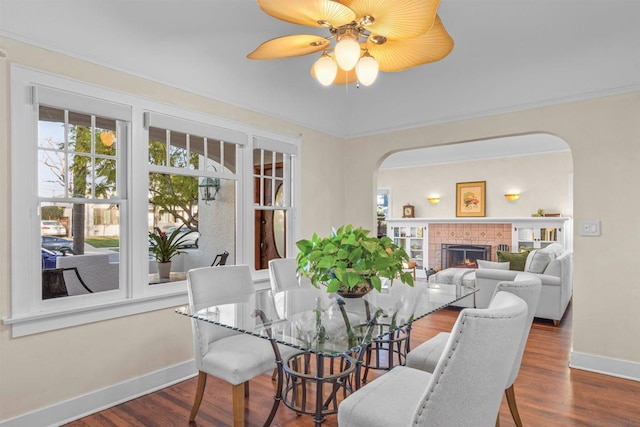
x=246 y=389
x=202 y=382
x=238 y=404
x=511 y=400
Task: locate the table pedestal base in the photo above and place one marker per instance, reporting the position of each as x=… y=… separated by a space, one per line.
x=315 y=382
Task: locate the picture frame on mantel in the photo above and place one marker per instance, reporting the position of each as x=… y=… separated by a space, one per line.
x=471 y=199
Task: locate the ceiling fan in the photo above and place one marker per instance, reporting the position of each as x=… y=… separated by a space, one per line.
x=370 y=35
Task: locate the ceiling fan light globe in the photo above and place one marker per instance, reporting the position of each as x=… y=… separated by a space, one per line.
x=367 y=70
x=347 y=53
x=325 y=70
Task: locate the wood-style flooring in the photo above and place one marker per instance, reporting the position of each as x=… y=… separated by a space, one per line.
x=547 y=391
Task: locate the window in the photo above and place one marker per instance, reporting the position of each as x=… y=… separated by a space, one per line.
x=94 y=171
x=78 y=176
x=382 y=211
x=193 y=175
x=272 y=200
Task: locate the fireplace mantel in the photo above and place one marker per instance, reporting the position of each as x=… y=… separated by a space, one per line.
x=482 y=220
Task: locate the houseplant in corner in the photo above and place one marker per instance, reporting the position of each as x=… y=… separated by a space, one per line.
x=350 y=262
x=164 y=247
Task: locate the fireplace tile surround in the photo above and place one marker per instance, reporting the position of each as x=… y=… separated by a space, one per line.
x=492 y=234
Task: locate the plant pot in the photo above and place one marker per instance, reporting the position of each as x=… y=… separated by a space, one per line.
x=357 y=291
x=164 y=269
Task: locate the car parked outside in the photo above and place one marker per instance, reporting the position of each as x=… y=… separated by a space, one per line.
x=52 y=228
x=57 y=244
x=190 y=240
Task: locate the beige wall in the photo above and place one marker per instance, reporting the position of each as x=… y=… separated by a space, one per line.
x=541 y=179
x=86 y=358
x=604 y=137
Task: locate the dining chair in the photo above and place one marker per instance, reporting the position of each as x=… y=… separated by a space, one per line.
x=427 y=354
x=290 y=292
x=466 y=386
x=221 y=352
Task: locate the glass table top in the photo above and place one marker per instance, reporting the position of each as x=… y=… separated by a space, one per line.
x=312 y=320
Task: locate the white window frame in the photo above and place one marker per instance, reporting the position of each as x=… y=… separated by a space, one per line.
x=134 y=295
x=278 y=143
x=290 y=172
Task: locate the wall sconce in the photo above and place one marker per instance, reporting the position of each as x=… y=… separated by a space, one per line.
x=512 y=196
x=434 y=200
x=209 y=188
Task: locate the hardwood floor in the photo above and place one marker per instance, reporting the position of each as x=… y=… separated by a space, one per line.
x=547 y=391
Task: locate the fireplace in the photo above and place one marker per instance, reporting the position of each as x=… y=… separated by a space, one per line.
x=464 y=256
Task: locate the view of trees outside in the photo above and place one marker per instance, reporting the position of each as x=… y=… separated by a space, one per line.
x=173 y=194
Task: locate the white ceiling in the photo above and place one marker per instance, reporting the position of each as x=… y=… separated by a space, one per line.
x=508 y=54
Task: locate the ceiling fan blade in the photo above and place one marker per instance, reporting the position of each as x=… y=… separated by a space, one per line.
x=287 y=46
x=398 y=55
x=309 y=12
x=396 y=19
x=343 y=77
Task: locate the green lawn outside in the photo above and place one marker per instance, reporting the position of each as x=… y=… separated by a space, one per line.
x=103 y=242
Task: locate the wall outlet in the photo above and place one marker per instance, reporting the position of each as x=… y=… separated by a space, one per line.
x=590 y=227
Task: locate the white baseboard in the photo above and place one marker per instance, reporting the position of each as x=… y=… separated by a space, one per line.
x=605 y=365
x=107 y=397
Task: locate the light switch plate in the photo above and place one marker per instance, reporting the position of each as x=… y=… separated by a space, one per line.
x=590 y=227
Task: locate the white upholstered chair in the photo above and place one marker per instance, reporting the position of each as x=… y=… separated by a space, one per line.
x=223 y=353
x=426 y=356
x=293 y=295
x=284 y=279
x=466 y=386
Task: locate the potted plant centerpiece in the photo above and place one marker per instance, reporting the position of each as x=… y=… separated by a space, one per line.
x=350 y=262
x=164 y=247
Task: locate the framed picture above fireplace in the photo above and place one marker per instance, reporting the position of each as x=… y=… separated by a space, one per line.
x=471 y=199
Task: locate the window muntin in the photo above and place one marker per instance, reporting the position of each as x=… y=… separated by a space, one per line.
x=77 y=155
x=188 y=151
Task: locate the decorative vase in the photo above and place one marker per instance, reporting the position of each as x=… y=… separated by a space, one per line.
x=164 y=269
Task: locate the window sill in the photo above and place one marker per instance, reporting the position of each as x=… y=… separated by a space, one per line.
x=34 y=323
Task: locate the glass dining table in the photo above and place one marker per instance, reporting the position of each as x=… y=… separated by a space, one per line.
x=323 y=343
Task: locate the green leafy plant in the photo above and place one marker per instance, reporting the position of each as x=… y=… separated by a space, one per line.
x=165 y=246
x=350 y=257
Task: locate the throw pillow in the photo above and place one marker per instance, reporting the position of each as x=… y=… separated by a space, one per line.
x=539 y=261
x=492 y=264
x=516 y=260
